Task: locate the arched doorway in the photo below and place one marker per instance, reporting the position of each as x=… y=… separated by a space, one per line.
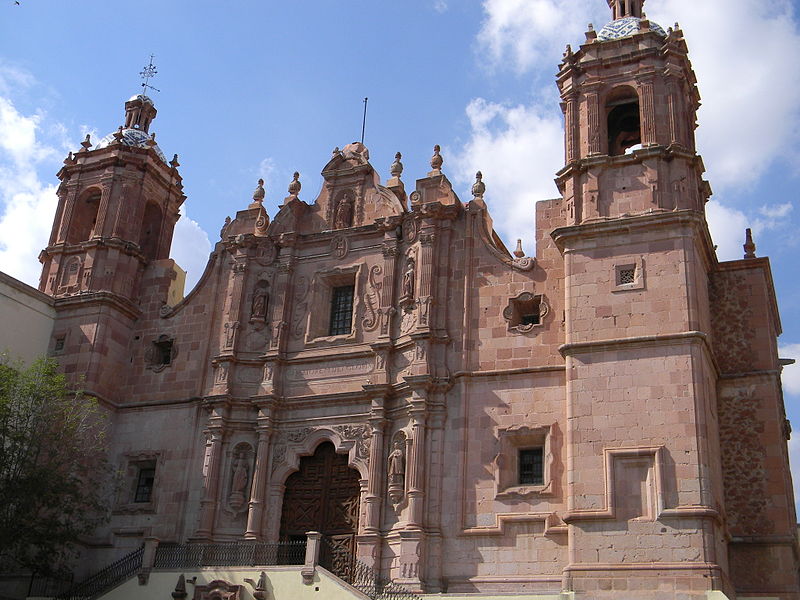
x=323 y=495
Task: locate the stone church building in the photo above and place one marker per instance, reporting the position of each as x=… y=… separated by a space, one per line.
x=601 y=420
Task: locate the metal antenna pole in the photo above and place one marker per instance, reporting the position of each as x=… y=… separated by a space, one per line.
x=364 y=122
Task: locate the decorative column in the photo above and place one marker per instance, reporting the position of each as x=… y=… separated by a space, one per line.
x=425 y=297
x=593 y=128
x=107 y=184
x=377 y=465
x=387 y=291
x=648 y=125
x=261 y=472
x=208 y=505
x=70 y=194
x=571 y=127
x=416 y=463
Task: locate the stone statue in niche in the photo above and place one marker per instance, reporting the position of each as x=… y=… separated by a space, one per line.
x=407 y=287
x=258 y=310
x=397 y=468
x=344 y=212
x=239 y=480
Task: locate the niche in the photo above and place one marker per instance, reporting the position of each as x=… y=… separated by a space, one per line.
x=623 y=121
x=84 y=217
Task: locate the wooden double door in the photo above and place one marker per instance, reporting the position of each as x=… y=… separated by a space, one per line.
x=323 y=495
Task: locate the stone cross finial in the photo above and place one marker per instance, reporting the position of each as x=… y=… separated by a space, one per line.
x=749 y=245
x=397 y=167
x=294 y=186
x=436 y=159
x=478 y=188
x=259 y=192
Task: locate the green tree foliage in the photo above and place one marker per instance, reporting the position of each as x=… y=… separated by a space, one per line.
x=53 y=467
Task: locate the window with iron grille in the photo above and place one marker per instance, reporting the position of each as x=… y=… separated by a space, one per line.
x=531 y=466
x=625 y=276
x=144 y=484
x=341 y=310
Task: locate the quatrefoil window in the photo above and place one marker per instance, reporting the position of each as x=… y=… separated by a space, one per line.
x=525 y=312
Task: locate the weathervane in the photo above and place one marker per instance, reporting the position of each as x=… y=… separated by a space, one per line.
x=148 y=72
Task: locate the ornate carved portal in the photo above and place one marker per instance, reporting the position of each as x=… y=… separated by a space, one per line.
x=323 y=496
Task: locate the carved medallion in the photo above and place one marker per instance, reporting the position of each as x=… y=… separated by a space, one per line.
x=339 y=246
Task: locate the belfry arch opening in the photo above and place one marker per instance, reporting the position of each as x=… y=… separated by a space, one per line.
x=623 y=121
x=322 y=495
x=84 y=217
x=151 y=230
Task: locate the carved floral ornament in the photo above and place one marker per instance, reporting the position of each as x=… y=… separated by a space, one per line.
x=357 y=436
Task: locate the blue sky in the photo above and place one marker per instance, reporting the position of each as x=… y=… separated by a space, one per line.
x=255 y=89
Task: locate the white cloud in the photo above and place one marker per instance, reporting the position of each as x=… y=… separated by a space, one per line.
x=794 y=463
x=525 y=34
x=517 y=148
x=27 y=204
x=748 y=79
x=190 y=248
x=791 y=374
x=440 y=6
x=727 y=227
x=746 y=127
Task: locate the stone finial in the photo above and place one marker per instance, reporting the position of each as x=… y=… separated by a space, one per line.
x=478 y=188
x=294 y=186
x=519 y=252
x=86 y=143
x=591 y=34
x=749 y=245
x=118 y=135
x=436 y=159
x=174 y=162
x=180 y=588
x=336 y=152
x=259 y=193
x=397 y=167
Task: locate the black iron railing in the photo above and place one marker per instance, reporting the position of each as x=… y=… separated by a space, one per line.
x=341 y=562
x=235 y=554
x=106 y=578
x=49 y=587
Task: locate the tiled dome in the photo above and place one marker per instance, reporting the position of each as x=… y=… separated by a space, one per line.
x=134 y=138
x=625 y=27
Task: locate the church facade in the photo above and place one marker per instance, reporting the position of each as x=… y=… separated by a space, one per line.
x=604 y=418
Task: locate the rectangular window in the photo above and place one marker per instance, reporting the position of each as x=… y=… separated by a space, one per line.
x=531 y=466
x=144 y=484
x=341 y=310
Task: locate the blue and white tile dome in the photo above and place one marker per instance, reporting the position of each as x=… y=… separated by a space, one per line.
x=626 y=27
x=134 y=138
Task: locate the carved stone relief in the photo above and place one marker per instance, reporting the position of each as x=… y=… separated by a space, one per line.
x=410 y=230
x=372 y=298
x=230 y=334
x=301 y=307
x=260 y=303
x=339 y=246
x=217 y=590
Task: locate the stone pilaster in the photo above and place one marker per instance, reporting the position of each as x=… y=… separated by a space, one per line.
x=261 y=473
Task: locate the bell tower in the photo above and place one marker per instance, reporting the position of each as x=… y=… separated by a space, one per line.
x=108 y=253
x=630 y=101
x=117 y=207
x=637 y=261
